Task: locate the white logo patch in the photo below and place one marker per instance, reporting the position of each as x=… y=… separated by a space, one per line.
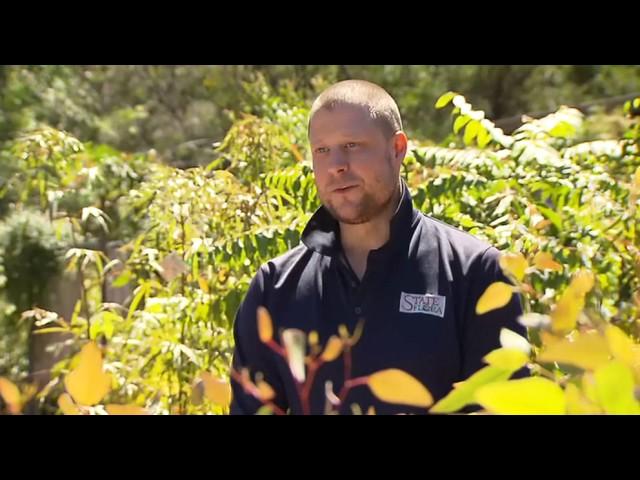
x=422 y=303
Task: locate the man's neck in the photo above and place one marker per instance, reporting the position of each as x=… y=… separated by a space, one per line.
x=358 y=240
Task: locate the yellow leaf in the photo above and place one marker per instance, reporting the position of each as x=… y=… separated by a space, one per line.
x=9 y=391
x=28 y=392
x=113 y=409
x=527 y=396
x=582 y=282
x=565 y=314
x=397 y=386
x=497 y=295
x=636 y=362
x=203 y=283
x=615 y=389
x=313 y=338
x=11 y=395
x=265 y=325
x=636 y=179
x=514 y=264
x=540 y=224
x=218 y=391
x=343 y=332
x=266 y=392
x=587 y=351
x=621 y=345
x=66 y=404
x=589 y=387
x=577 y=403
x=223 y=275
x=87 y=383
x=332 y=350
x=197 y=391
x=548 y=338
x=507 y=358
x=545 y=261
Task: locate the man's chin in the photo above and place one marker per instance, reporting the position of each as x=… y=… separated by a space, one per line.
x=349 y=218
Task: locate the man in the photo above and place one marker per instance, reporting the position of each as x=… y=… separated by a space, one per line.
x=367 y=256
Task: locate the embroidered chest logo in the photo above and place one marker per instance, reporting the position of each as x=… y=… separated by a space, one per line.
x=422 y=303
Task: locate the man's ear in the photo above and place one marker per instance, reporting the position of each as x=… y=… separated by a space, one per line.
x=400 y=142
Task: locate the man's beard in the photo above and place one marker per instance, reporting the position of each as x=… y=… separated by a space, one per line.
x=366 y=209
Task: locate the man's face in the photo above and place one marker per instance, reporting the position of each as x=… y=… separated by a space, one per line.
x=356 y=166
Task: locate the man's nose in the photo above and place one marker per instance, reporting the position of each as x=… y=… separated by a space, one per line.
x=338 y=162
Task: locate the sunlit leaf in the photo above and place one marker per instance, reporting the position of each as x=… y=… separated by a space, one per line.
x=445 y=99
x=113 y=409
x=621 y=346
x=460 y=122
x=265 y=325
x=586 y=350
x=615 y=389
x=497 y=295
x=397 y=386
x=464 y=392
x=577 y=403
x=333 y=349
x=545 y=261
x=471 y=131
x=216 y=390
x=582 y=282
x=514 y=264
x=507 y=358
x=527 y=396
x=87 y=383
x=11 y=395
x=565 y=313
x=266 y=392
x=67 y=405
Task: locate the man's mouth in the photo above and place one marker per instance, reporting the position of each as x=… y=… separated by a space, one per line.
x=344 y=189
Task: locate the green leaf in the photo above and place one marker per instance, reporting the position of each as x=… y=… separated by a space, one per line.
x=555 y=217
x=484 y=137
x=123 y=279
x=141 y=292
x=460 y=122
x=445 y=99
x=51 y=330
x=563 y=130
x=471 y=131
x=463 y=393
x=507 y=358
x=527 y=396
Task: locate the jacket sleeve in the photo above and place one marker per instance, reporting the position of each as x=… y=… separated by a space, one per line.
x=251 y=354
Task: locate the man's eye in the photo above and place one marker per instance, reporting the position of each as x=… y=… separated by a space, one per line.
x=322 y=150
x=351 y=145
